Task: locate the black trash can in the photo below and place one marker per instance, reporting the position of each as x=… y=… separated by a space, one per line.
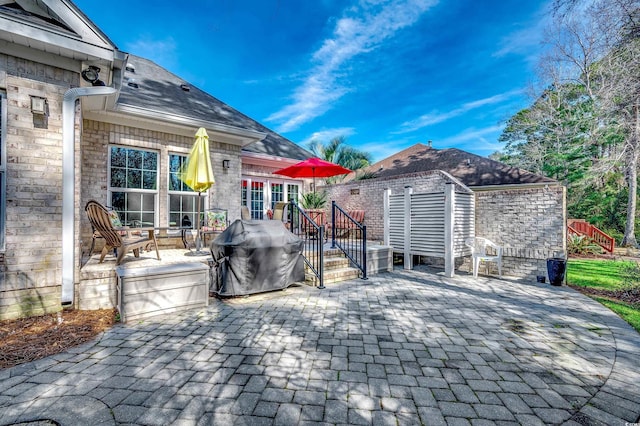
x=555 y=268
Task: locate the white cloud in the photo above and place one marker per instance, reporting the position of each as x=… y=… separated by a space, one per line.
x=163 y=52
x=361 y=29
x=328 y=134
x=527 y=41
x=475 y=139
x=436 y=117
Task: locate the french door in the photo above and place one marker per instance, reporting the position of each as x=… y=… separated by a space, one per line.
x=260 y=194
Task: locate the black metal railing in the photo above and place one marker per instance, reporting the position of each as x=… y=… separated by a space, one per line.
x=311 y=229
x=350 y=236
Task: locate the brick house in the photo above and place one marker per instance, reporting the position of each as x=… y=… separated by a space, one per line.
x=522 y=211
x=81 y=120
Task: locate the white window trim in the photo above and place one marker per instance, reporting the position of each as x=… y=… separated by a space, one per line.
x=111 y=190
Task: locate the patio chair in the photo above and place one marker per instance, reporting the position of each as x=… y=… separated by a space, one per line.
x=485 y=250
x=101 y=223
x=278 y=211
x=344 y=225
x=245 y=214
x=318 y=216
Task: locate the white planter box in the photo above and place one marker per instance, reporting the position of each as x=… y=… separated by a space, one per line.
x=146 y=292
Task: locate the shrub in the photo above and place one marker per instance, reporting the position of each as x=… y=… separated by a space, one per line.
x=314 y=200
x=630 y=274
x=630 y=289
x=581 y=244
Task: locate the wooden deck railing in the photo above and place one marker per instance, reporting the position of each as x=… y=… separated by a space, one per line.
x=582 y=227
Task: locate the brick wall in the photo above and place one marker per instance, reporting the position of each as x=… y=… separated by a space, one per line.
x=529 y=223
x=30 y=278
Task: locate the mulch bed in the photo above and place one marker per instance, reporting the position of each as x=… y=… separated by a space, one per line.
x=29 y=339
x=631 y=297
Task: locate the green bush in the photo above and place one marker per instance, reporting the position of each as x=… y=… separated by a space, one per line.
x=581 y=244
x=630 y=274
x=314 y=200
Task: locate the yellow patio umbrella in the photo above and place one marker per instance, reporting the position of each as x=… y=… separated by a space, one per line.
x=198 y=175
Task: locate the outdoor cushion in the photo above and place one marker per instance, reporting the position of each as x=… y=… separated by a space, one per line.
x=216 y=221
x=115 y=218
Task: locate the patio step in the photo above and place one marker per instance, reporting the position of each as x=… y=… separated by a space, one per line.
x=336 y=262
x=337 y=268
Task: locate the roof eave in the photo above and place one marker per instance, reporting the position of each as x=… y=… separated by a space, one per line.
x=266 y=159
x=147 y=118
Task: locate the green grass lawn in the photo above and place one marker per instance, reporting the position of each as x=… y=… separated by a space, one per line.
x=603 y=275
x=594 y=273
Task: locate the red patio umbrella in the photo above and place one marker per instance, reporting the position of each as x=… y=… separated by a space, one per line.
x=313 y=168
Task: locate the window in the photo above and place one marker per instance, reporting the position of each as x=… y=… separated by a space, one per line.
x=257 y=200
x=277 y=194
x=292 y=191
x=133 y=185
x=3 y=162
x=183 y=200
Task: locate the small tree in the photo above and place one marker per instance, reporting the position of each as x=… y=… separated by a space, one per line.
x=338 y=152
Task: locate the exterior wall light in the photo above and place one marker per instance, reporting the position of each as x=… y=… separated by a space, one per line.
x=225 y=164
x=91 y=74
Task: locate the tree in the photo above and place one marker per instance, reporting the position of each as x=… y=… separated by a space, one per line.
x=584 y=128
x=338 y=152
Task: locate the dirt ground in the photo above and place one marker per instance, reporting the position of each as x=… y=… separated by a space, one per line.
x=29 y=339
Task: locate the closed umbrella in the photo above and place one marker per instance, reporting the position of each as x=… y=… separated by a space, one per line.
x=198 y=175
x=313 y=168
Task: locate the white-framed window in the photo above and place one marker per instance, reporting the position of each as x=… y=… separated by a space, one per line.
x=262 y=194
x=3 y=167
x=183 y=200
x=133 y=185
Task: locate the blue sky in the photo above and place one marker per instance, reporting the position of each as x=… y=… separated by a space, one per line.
x=385 y=74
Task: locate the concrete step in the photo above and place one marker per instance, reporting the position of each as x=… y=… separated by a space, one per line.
x=336 y=262
x=334 y=276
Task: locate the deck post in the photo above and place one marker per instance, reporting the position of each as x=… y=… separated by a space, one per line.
x=449 y=219
x=408 y=256
x=387 y=217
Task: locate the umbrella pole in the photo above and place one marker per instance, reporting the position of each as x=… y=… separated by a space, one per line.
x=199 y=251
x=198 y=241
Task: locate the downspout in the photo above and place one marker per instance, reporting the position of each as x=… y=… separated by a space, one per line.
x=68 y=183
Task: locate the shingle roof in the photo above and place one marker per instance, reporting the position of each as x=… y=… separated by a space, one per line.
x=470 y=169
x=160 y=90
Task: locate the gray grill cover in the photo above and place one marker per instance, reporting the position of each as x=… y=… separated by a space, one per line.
x=253 y=256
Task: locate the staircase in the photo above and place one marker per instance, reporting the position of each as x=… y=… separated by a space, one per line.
x=337 y=268
x=582 y=227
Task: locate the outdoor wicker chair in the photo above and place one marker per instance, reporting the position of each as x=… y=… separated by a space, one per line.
x=101 y=223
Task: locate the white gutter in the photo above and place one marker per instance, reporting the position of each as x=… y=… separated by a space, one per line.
x=68 y=183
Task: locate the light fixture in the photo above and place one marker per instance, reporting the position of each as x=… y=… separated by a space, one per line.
x=38 y=105
x=91 y=74
x=225 y=164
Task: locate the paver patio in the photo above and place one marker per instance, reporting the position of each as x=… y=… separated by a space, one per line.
x=406 y=347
